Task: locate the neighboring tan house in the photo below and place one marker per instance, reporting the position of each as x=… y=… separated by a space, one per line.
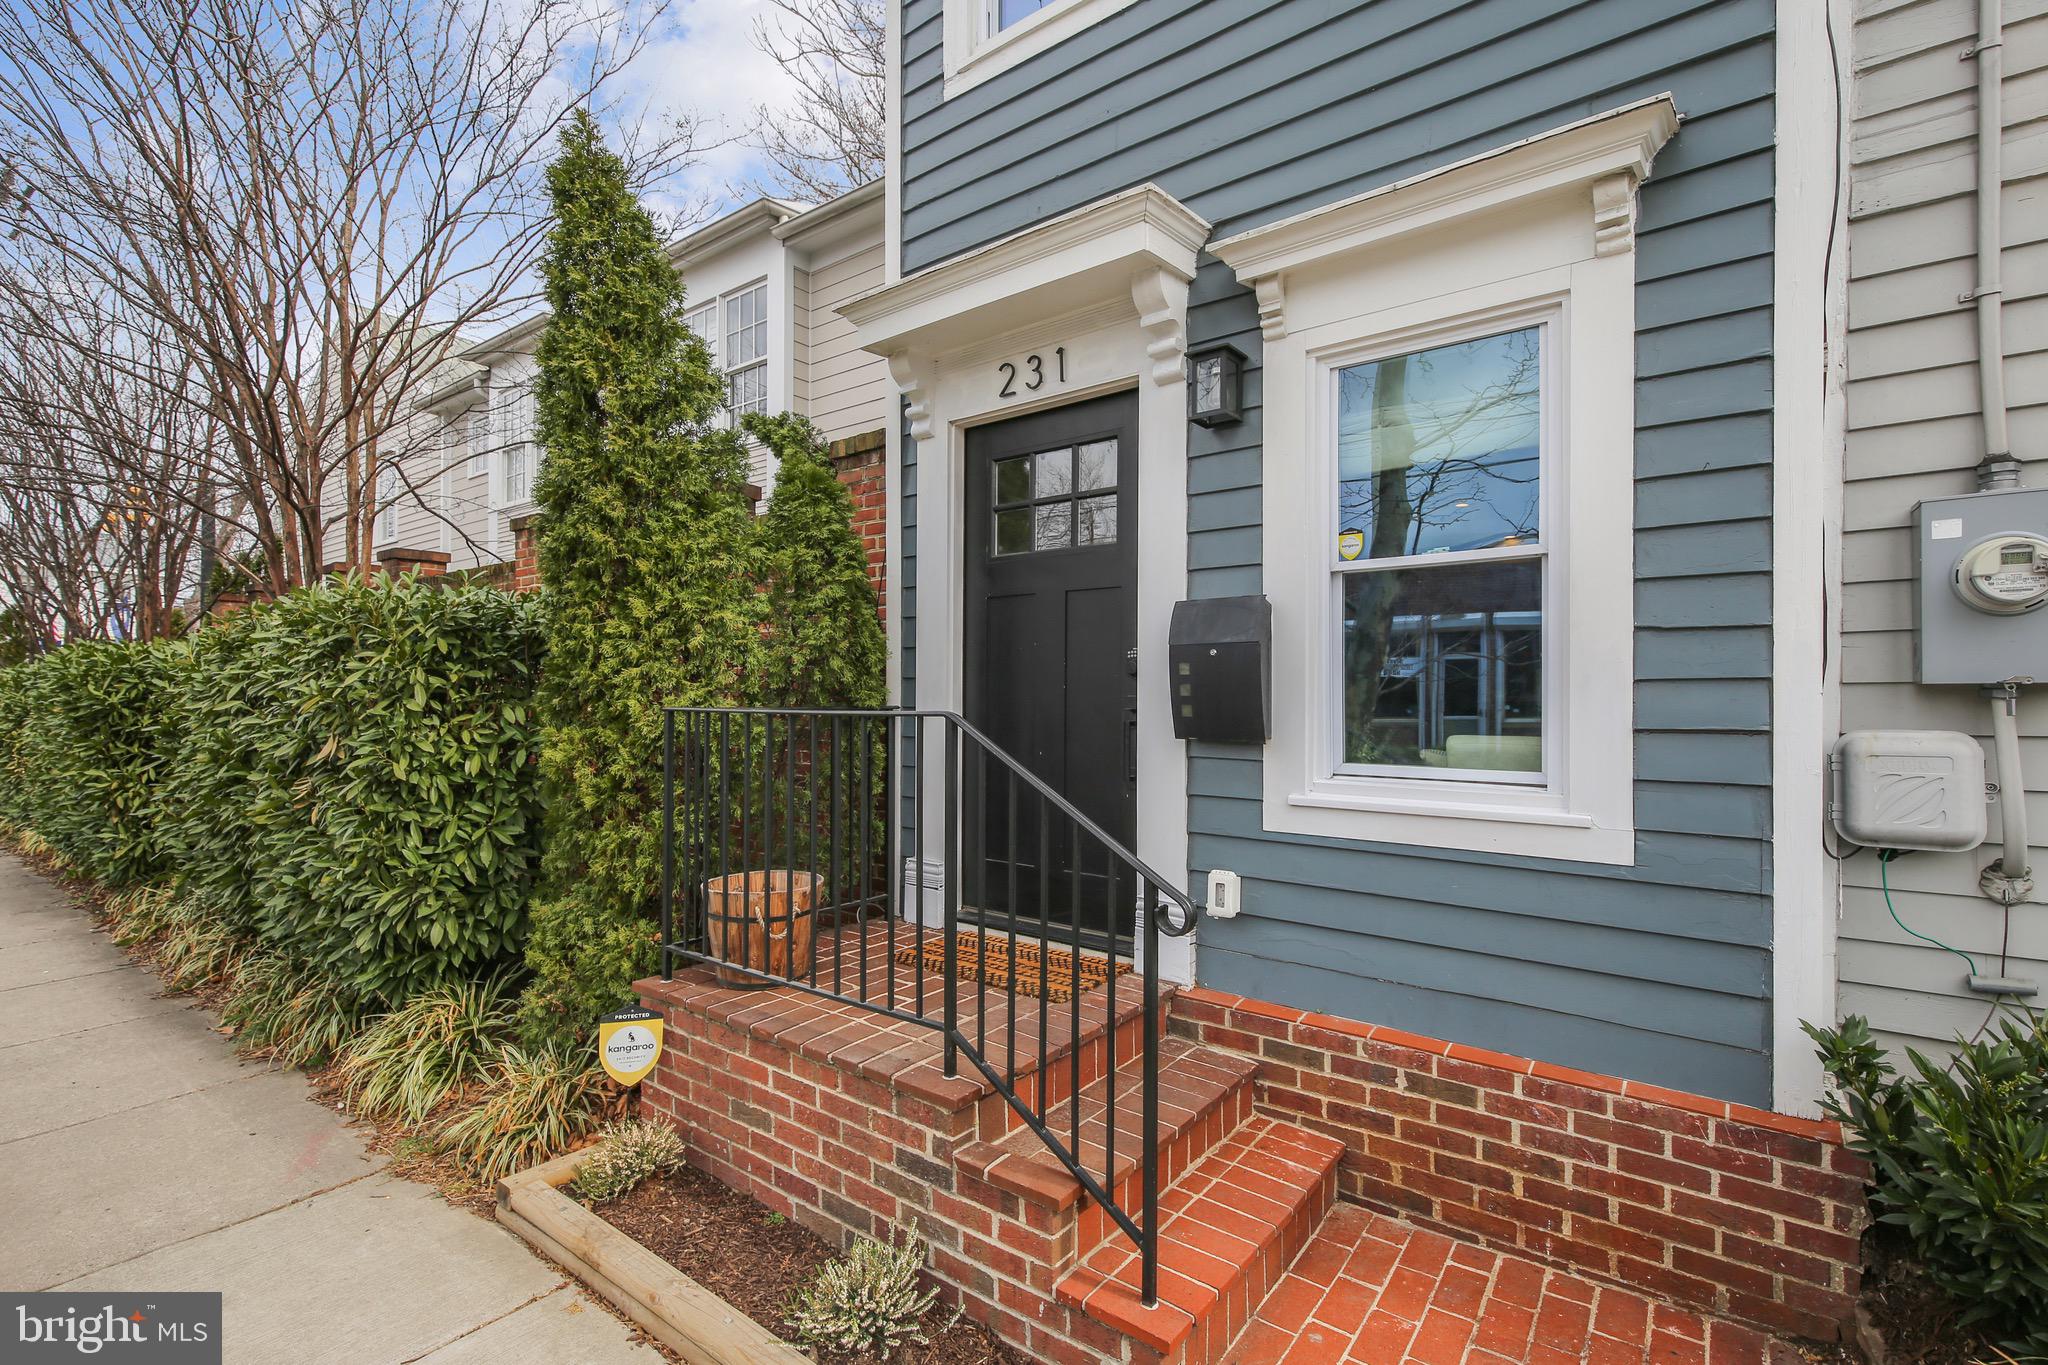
x=762 y=284
x=1917 y=396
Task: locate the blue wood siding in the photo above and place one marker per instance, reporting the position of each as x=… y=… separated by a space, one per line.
x=1251 y=110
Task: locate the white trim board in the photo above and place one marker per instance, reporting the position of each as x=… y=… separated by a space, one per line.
x=1808 y=439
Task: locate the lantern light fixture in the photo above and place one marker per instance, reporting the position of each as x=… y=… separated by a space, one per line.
x=1216 y=385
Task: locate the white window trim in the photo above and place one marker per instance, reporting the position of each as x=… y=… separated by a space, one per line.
x=1395 y=782
x=1543 y=224
x=976 y=50
x=760 y=362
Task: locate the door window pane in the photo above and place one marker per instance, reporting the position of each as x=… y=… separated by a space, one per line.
x=1013 y=531
x=1095 y=521
x=1439 y=450
x=1095 y=466
x=1055 y=476
x=1013 y=480
x=1055 y=527
x=1442 y=666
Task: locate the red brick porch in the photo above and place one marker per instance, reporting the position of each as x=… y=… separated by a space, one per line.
x=1592 y=1196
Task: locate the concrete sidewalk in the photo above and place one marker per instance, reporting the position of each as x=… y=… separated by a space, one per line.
x=138 y=1152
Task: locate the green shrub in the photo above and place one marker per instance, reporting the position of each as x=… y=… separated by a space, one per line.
x=536 y=1104
x=1960 y=1163
x=283 y=1009
x=91 y=748
x=194 y=944
x=354 y=781
x=646 y=549
x=14 y=713
x=867 y=1300
x=406 y=1063
x=627 y=1154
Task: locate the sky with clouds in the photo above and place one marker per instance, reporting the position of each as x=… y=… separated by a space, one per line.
x=703 y=62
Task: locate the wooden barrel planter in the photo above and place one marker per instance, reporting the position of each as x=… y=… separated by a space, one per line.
x=763 y=921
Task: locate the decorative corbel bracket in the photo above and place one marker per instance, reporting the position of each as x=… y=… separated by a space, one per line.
x=1271 y=291
x=1161 y=297
x=1614 y=214
x=912 y=375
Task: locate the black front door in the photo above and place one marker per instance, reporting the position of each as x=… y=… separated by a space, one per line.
x=1051 y=627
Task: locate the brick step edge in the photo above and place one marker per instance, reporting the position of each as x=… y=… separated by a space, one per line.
x=1204 y=1095
x=1229 y=1229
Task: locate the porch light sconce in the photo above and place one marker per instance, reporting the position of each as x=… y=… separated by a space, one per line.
x=1216 y=385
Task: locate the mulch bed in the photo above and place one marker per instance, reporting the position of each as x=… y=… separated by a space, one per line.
x=1916 y=1320
x=756 y=1260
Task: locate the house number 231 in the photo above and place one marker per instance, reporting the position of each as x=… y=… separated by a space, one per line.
x=1033 y=372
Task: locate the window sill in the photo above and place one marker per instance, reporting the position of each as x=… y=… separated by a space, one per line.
x=970 y=61
x=1488 y=820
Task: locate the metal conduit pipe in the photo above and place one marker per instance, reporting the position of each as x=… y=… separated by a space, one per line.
x=2009 y=880
x=1997 y=469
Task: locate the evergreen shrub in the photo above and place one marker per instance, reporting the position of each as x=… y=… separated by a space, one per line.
x=89 y=751
x=1959 y=1156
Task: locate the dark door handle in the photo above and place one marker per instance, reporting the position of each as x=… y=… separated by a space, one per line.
x=1130 y=745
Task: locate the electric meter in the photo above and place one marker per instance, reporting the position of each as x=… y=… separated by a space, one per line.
x=1981 y=578
x=2005 y=574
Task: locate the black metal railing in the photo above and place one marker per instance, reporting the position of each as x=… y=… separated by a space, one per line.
x=826 y=850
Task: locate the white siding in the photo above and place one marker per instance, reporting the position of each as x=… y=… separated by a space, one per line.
x=846 y=390
x=1914 y=433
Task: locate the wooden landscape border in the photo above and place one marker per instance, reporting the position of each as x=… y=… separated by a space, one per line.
x=685 y=1315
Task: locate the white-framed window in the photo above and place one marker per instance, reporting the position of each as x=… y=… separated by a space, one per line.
x=520 y=446
x=478 y=426
x=704 y=322
x=1441 y=450
x=387 y=502
x=745 y=354
x=983 y=37
x=1448 y=378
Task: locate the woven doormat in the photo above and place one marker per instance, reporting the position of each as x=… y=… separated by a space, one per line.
x=986 y=958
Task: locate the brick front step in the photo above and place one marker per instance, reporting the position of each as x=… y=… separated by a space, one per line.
x=1229 y=1228
x=1376 y=1291
x=1203 y=1095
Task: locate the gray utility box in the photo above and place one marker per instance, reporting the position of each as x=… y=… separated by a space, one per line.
x=1982 y=574
x=1220 y=654
x=1920 y=789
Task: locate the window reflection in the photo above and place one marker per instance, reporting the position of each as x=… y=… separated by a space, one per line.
x=1438 y=450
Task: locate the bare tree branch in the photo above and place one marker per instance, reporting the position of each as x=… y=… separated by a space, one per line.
x=836 y=137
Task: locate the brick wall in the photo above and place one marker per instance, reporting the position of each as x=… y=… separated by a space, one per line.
x=840 y=1152
x=1751 y=1214
x=525 y=557
x=862 y=464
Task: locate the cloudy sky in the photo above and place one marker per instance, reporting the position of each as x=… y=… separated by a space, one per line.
x=705 y=63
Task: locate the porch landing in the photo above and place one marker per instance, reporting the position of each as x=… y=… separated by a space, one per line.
x=1373 y=1290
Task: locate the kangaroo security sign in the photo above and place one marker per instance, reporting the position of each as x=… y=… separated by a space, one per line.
x=629 y=1043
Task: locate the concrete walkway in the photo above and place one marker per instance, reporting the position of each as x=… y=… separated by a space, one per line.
x=138 y=1152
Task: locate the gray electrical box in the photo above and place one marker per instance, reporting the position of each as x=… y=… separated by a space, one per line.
x=1982 y=577
x=1920 y=789
x=1220 y=657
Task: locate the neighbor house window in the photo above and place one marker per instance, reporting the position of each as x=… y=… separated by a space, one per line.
x=519 y=447
x=480 y=440
x=745 y=355
x=1437 y=552
x=704 y=322
x=387 y=503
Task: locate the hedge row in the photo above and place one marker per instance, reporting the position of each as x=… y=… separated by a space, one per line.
x=347 y=774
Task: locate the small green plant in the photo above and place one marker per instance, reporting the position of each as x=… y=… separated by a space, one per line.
x=141 y=914
x=407 y=1062
x=627 y=1154
x=536 y=1103
x=281 y=1007
x=1959 y=1160
x=867 y=1300
x=196 y=946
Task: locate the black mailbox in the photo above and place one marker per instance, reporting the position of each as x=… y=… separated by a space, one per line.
x=1220 y=653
